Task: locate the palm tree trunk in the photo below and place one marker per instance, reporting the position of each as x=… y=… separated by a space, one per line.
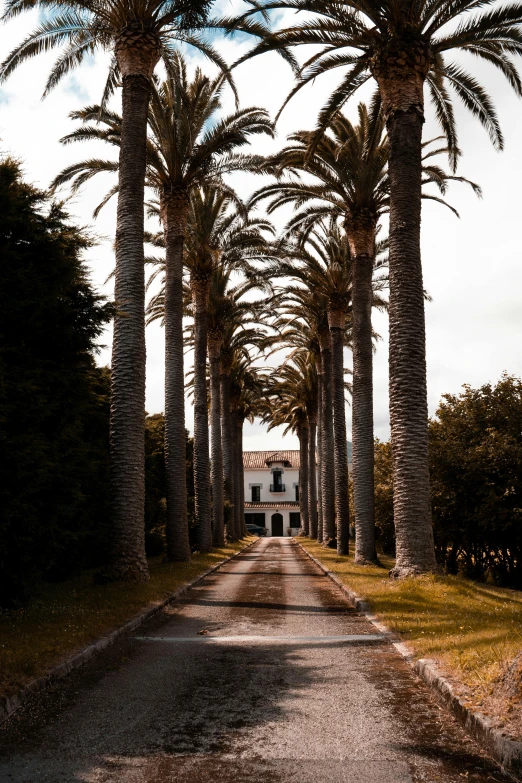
x=216 y=462
x=127 y=440
x=312 y=479
x=241 y=478
x=407 y=351
x=342 y=509
x=201 y=441
x=174 y=218
x=235 y=470
x=328 y=464
x=319 y=448
x=304 y=479
x=361 y=236
x=228 y=455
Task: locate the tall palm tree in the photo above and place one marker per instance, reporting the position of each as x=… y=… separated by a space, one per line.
x=247 y=388
x=239 y=337
x=236 y=325
x=292 y=394
x=307 y=304
x=222 y=239
x=228 y=305
x=328 y=268
x=350 y=181
x=218 y=301
x=202 y=257
x=138 y=33
x=312 y=459
x=220 y=235
x=187 y=146
x=324 y=268
x=349 y=167
x=284 y=406
x=403 y=46
x=300 y=337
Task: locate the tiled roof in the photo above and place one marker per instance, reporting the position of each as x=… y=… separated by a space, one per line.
x=261 y=459
x=273 y=504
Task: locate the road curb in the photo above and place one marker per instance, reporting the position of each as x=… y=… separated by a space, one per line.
x=9 y=705
x=506 y=751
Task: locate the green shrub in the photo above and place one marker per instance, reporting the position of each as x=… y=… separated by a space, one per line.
x=54 y=401
x=476 y=483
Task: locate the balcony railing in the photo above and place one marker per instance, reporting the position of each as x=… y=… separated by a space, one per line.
x=277 y=488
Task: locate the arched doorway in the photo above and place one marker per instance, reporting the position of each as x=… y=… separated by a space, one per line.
x=277 y=525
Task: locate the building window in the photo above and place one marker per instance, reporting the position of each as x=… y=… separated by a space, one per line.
x=278 y=485
x=297 y=492
x=256 y=494
x=295 y=518
x=255 y=519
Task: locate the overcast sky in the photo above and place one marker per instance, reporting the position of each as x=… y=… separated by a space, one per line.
x=472 y=266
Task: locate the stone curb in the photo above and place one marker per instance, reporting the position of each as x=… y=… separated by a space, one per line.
x=506 y=751
x=9 y=705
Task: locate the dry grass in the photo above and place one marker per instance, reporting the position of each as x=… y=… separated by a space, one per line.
x=68 y=616
x=473 y=629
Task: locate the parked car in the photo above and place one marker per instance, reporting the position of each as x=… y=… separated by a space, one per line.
x=255 y=530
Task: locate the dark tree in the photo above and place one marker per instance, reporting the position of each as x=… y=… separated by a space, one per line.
x=54 y=401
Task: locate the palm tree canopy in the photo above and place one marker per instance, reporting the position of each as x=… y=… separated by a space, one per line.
x=247 y=386
x=222 y=233
x=138 y=32
x=321 y=271
x=223 y=238
x=349 y=164
x=187 y=143
x=402 y=44
x=291 y=394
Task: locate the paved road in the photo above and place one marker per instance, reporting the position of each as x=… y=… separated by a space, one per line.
x=263 y=674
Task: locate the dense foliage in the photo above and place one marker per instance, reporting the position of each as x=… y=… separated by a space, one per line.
x=476 y=482
x=54 y=401
x=156 y=488
x=384 y=497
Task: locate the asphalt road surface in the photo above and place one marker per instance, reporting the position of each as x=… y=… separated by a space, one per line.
x=262 y=674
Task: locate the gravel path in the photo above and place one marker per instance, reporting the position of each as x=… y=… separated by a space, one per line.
x=262 y=674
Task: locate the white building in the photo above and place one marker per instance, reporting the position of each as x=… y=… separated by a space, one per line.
x=272 y=490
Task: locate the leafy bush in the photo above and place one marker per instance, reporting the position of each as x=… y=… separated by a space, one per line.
x=155 y=485
x=54 y=401
x=476 y=475
x=384 y=498
x=476 y=483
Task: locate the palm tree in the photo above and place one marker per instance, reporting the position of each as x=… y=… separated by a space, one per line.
x=220 y=235
x=403 y=46
x=349 y=166
x=138 y=33
x=301 y=338
x=349 y=169
x=183 y=152
x=227 y=306
x=234 y=331
x=201 y=258
x=312 y=460
x=240 y=335
x=328 y=265
x=307 y=304
x=247 y=387
x=218 y=302
x=222 y=239
x=292 y=394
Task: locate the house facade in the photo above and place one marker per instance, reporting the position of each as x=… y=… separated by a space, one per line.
x=272 y=491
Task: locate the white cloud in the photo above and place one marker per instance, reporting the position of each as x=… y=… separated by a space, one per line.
x=472 y=266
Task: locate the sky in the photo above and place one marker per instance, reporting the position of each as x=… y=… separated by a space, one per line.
x=472 y=265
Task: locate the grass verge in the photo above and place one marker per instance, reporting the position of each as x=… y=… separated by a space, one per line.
x=68 y=616
x=474 y=630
